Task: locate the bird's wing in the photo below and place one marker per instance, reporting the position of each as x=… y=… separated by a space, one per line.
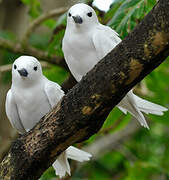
x=105 y=39
x=12 y=113
x=53 y=91
x=70 y=59
x=77 y=154
x=61 y=165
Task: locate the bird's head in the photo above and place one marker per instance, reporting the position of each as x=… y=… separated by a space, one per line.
x=27 y=70
x=81 y=16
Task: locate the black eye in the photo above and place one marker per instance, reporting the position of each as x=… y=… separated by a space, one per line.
x=69 y=15
x=89 y=14
x=35 y=68
x=15 y=66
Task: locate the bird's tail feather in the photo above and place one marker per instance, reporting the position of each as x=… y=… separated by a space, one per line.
x=135 y=105
x=61 y=165
x=77 y=154
x=149 y=107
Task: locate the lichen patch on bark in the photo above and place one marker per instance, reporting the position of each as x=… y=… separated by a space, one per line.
x=87 y=110
x=159 y=42
x=113 y=88
x=122 y=76
x=135 y=69
x=96 y=101
x=96 y=96
x=7 y=168
x=146 y=50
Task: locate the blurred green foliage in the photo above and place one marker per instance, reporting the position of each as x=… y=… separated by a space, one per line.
x=146 y=154
x=126 y=14
x=34 y=7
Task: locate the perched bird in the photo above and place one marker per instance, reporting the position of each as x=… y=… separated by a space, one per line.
x=32 y=96
x=85 y=43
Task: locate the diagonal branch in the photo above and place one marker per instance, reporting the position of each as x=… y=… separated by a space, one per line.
x=111 y=141
x=41 y=55
x=24 y=48
x=84 y=108
x=39 y=20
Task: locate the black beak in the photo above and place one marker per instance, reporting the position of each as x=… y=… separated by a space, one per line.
x=77 y=19
x=23 y=72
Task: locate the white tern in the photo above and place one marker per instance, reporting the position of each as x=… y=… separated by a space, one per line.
x=85 y=43
x=32 y=96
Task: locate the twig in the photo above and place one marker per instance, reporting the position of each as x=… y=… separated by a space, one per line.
x=23 y=47
x=114 y=125
x=39 y=20
x=68 y=83
x=106 y=144
x=126 y=152
x=41 y=55
x=111 y=141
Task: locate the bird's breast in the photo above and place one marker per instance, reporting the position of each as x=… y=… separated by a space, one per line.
x=32 y=106
x=80 y=54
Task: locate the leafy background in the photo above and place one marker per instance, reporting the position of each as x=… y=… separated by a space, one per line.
x=144 y=154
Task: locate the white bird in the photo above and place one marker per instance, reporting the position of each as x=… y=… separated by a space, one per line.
x=85 y=43
x=32 y=96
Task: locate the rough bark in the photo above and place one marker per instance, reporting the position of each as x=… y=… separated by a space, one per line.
x=84 y=108
x=68 y=83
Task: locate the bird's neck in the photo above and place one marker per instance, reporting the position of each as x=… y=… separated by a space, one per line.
x=72 y=28
x=26 y=83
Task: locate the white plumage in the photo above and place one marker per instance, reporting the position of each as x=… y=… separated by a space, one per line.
x=85 y=43
x=32 y=96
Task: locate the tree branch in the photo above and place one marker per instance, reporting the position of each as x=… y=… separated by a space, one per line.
x=42 y=55
x=23 y=47
x=111 y=141
x=68 y=83
x=82 y=111
x=39 y=20
x=113 y=126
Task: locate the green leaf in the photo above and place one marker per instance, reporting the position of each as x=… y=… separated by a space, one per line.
x=56 y=74
x=50 y=23
x=39 y=41
x=7 y=35
x=128 y=14
x=55 y=47
x=49 y=174
x=34 y=7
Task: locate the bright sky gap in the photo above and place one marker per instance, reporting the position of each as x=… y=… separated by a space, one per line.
x=103 y=5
